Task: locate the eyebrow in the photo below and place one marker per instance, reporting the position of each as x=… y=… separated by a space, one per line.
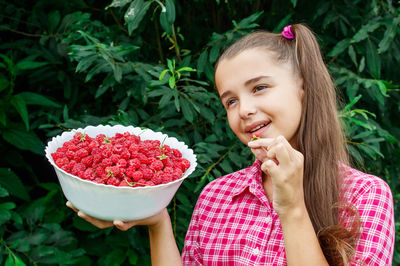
x=247 y=83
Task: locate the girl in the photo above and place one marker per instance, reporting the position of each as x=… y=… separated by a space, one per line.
x=299 y=203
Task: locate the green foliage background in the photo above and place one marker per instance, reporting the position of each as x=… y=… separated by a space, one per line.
x=149 y=63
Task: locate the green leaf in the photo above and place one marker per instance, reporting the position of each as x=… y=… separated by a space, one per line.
x=23 y=140
x=5 y=216
x=3 y=192
x=20 y=105
x=214 y=52
x=135 y=14
x=339 y=47
x=53 y=20
x=362 y=34
x=163 y=74
x=7 y=206
x=294 y=2
x=27 y=64
x=373 y=60
x=201 y=62
x=389 y=35
x=4 y=83
x=352 y=55
x=164 y=23
x=170 y=11
x=283 y=23
x=118 y=3
x=11 y=182
x=187 y=110
x=32 y=98
x=171 y=82
x=352 y=103
x=171 y=65
x=9 y=261
x=165 y=100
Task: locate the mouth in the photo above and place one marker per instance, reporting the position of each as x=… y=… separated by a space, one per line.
x=256 y=127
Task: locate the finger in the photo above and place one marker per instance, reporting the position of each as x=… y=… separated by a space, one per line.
x=280 y=153
x=260 y=153
x=69 y=205
x=262 y=142
x=96 y=222
x=124 y=226
x=271 y=168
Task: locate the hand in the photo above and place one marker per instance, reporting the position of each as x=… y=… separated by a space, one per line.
x=284 y=165
x=121 y=225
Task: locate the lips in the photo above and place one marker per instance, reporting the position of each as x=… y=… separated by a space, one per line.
x=256 y=126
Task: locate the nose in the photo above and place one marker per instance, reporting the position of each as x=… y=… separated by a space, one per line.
x=247 y=107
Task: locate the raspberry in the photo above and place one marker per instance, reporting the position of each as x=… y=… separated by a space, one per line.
x=134 y=148
x=147 y=173
x=136 y=176
x=142 y=158
x=70 y=154
x=87 y=161
x=130 y=171
x=106 y=162
x=114 y=158
x=89 y=174
x=113 y=181
x=81 y=153
x=125 y=154
x=97 y=158
x=60 y=162
x=186 y=163
x=176 y=153
x=157 y=178
x=122 y=160
x=124 y=183
x=57 y=155
x=118 y=148
x=156 y=165
x=134 y=163
x=78 y=167
x=166 y=178
x=99 y=180
x=106 y=153
x=122 y=163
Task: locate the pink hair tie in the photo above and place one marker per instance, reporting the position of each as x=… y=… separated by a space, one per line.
x=287 y=32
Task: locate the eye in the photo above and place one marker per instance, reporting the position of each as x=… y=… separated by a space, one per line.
x=231 y=101
x=260 y=87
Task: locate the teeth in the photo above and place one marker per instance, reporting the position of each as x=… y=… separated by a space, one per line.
x=258 y=127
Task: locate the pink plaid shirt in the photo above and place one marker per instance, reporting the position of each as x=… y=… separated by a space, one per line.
x=234 y=224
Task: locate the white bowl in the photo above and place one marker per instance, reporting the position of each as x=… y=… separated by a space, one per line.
x=123 y=203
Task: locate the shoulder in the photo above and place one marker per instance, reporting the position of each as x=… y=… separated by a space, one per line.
x=358 y=186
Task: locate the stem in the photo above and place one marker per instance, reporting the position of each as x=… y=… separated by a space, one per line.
x=178 y=53
x=160 y=52
x=117 y=21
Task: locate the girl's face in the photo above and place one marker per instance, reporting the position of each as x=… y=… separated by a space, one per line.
x=260 y=96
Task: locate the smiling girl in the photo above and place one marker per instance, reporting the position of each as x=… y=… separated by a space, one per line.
x=300 y=203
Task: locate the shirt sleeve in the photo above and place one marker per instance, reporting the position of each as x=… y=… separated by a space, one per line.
x=191 y=254
x=376 y=241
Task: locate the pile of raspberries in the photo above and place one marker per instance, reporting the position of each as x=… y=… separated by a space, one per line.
x=122 y=160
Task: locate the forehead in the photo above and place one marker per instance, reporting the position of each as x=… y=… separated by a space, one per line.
x=248 y=64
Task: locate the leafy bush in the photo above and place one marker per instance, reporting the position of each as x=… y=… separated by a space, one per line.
x=149 y=63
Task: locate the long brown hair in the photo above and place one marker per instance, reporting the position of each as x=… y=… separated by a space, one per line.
x=320 y=137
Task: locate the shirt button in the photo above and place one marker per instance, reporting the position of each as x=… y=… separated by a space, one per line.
x=256 y=251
